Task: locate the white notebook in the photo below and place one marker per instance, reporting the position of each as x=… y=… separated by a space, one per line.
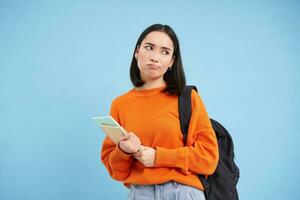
x=111 y=128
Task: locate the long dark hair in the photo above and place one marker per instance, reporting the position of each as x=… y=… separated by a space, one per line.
x=175 y=77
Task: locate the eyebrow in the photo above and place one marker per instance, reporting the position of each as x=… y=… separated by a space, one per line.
x=161 y=47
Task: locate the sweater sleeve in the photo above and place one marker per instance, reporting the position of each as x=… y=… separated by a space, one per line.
x=115 y=160
x=201 y=153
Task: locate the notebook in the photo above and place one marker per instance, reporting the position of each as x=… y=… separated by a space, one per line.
x=111 y=128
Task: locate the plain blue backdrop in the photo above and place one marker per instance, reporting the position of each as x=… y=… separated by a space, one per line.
x=63 y=62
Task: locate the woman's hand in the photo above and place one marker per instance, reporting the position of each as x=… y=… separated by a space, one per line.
x=146 y=157
x=129 y=143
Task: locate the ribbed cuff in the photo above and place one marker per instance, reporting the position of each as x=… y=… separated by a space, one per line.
x=122 y=154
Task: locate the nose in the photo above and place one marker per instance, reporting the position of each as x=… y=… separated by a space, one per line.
x=154 y=60
x=154 y=57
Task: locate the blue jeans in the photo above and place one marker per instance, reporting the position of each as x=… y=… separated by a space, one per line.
x=166 y=191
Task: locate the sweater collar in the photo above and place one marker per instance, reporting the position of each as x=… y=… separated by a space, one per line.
x=147 y=92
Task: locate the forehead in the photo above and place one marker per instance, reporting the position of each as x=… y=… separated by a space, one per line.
x=158 y=38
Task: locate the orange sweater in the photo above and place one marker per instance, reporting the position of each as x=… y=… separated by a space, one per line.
x=153 y=116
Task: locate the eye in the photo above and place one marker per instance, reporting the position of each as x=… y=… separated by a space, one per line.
x=166 y=52
x=148 y=47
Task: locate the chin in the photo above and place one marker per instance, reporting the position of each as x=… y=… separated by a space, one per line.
x=154 y=75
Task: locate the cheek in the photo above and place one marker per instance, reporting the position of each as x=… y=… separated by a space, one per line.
x=142 y=56
x=167 y=63
x=142 y=60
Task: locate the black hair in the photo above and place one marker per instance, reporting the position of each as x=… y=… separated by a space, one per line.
x=175 y=77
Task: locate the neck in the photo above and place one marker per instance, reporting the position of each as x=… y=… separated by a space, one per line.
x=153 y=84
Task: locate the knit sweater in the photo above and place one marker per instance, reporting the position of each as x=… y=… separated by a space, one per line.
x=153 y=116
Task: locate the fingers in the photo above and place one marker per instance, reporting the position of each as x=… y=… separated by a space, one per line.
x=129 y=143
x=124 y=137
x=146 y=157
x=139 y=153
x=135 y=139
x=143 y=147
x=130 y=136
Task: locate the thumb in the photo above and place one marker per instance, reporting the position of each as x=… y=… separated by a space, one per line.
x=124 y=137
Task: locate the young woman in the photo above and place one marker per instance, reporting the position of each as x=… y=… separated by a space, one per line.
x=166 y=168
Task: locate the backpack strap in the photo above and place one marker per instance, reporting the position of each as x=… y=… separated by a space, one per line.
x=185 y=112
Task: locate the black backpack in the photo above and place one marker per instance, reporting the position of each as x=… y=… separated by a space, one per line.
x=221 y=185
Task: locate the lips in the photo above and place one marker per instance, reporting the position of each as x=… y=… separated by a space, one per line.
x=152 y=66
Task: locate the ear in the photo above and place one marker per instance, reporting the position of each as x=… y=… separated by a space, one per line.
x=136 y=52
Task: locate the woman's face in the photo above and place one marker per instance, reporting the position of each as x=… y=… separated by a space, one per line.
x=155 y=55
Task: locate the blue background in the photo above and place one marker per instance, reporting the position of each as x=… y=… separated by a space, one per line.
x=63 y=62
